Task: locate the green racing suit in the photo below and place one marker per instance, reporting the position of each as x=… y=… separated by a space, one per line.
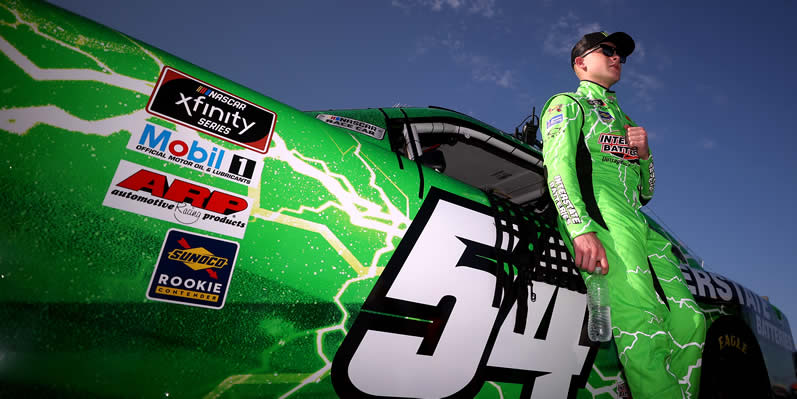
x=598 y=184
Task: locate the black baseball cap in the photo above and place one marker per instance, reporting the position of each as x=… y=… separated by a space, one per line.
x=624 y=42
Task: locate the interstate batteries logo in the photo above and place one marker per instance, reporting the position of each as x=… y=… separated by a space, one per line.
x=353 y=124
x=185 y=100
x=193 y=270
x=243 y=167
x=617 y=145
x=156 y=194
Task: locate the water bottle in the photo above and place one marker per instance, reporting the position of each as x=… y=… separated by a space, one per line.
x=599 y=326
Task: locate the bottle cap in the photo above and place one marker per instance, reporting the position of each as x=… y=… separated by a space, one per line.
x=598 y=270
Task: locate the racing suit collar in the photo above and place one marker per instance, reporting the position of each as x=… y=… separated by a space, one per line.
x=594 y=89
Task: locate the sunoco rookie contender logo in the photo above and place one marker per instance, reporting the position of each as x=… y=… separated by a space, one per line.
x=193 y=270
x=185 y=100
x=156 y=194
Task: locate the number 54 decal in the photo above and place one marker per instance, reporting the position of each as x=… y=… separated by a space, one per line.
x=429 y=328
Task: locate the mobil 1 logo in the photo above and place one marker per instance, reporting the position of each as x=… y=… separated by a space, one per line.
x=188 y=150
x=191 y=102
x=193 y=269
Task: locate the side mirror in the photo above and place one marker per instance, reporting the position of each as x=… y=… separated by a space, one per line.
x=530 y=130
x=529 y=133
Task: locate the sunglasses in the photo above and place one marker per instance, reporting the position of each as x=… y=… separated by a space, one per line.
x=608 y=51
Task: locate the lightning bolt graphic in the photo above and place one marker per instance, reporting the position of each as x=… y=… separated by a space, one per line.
x=610 y=389
x=379 y=216
x=107 y=75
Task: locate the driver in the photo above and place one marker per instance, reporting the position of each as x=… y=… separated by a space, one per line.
x=599 y=170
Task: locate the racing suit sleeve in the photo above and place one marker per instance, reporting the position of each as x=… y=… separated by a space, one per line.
x=647 y=176
x=647 y=179
x=561 y=133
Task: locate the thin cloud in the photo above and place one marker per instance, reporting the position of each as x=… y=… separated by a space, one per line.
x=662 y=61
x=400 y=4
x=427 y=43
x=565 y=32
x=720 y=99
x=708 y=144
x=423 y=45
x=640 y=53
x=642 y=81
x=608 y=3
x=717 y=96
x=482 y=68
x=644 y=85
x=453 y=43
x=485 y=8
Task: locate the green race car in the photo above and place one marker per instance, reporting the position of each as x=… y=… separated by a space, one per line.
x=170 y=233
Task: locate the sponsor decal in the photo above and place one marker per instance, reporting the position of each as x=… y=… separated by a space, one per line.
x=191 y=151
x=562 y=201
x=605 y=116
x=596 y=102
x=188 y=101
x=193 y=269
x=615 y=160
x=553 y=132
x=554 y=121
x=617 y=145
x=557 y=108
x=163 y=196
x=652 y=177
x=714 y=288
x=353 y=124
x=773 y=332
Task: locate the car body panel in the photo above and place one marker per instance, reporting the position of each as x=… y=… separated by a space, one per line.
x=326 y=221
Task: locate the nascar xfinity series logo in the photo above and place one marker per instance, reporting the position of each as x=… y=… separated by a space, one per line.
x=183 y=99
x=188 y=150
x=193 y=270
x=153 y=193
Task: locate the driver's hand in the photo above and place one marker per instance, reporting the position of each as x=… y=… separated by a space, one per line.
x=590 y=253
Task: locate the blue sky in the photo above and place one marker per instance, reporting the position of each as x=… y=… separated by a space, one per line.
x=708 y=80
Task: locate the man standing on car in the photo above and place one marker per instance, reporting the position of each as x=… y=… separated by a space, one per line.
x=600 y=172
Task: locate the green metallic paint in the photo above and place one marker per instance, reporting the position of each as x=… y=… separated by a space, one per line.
x=331 y=208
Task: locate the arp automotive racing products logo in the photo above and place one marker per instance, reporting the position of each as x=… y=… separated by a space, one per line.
x=185 y=100
x=243 y=166
x=156 y=194
x=617 y=145
x=193 y=270
x=353 y=124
